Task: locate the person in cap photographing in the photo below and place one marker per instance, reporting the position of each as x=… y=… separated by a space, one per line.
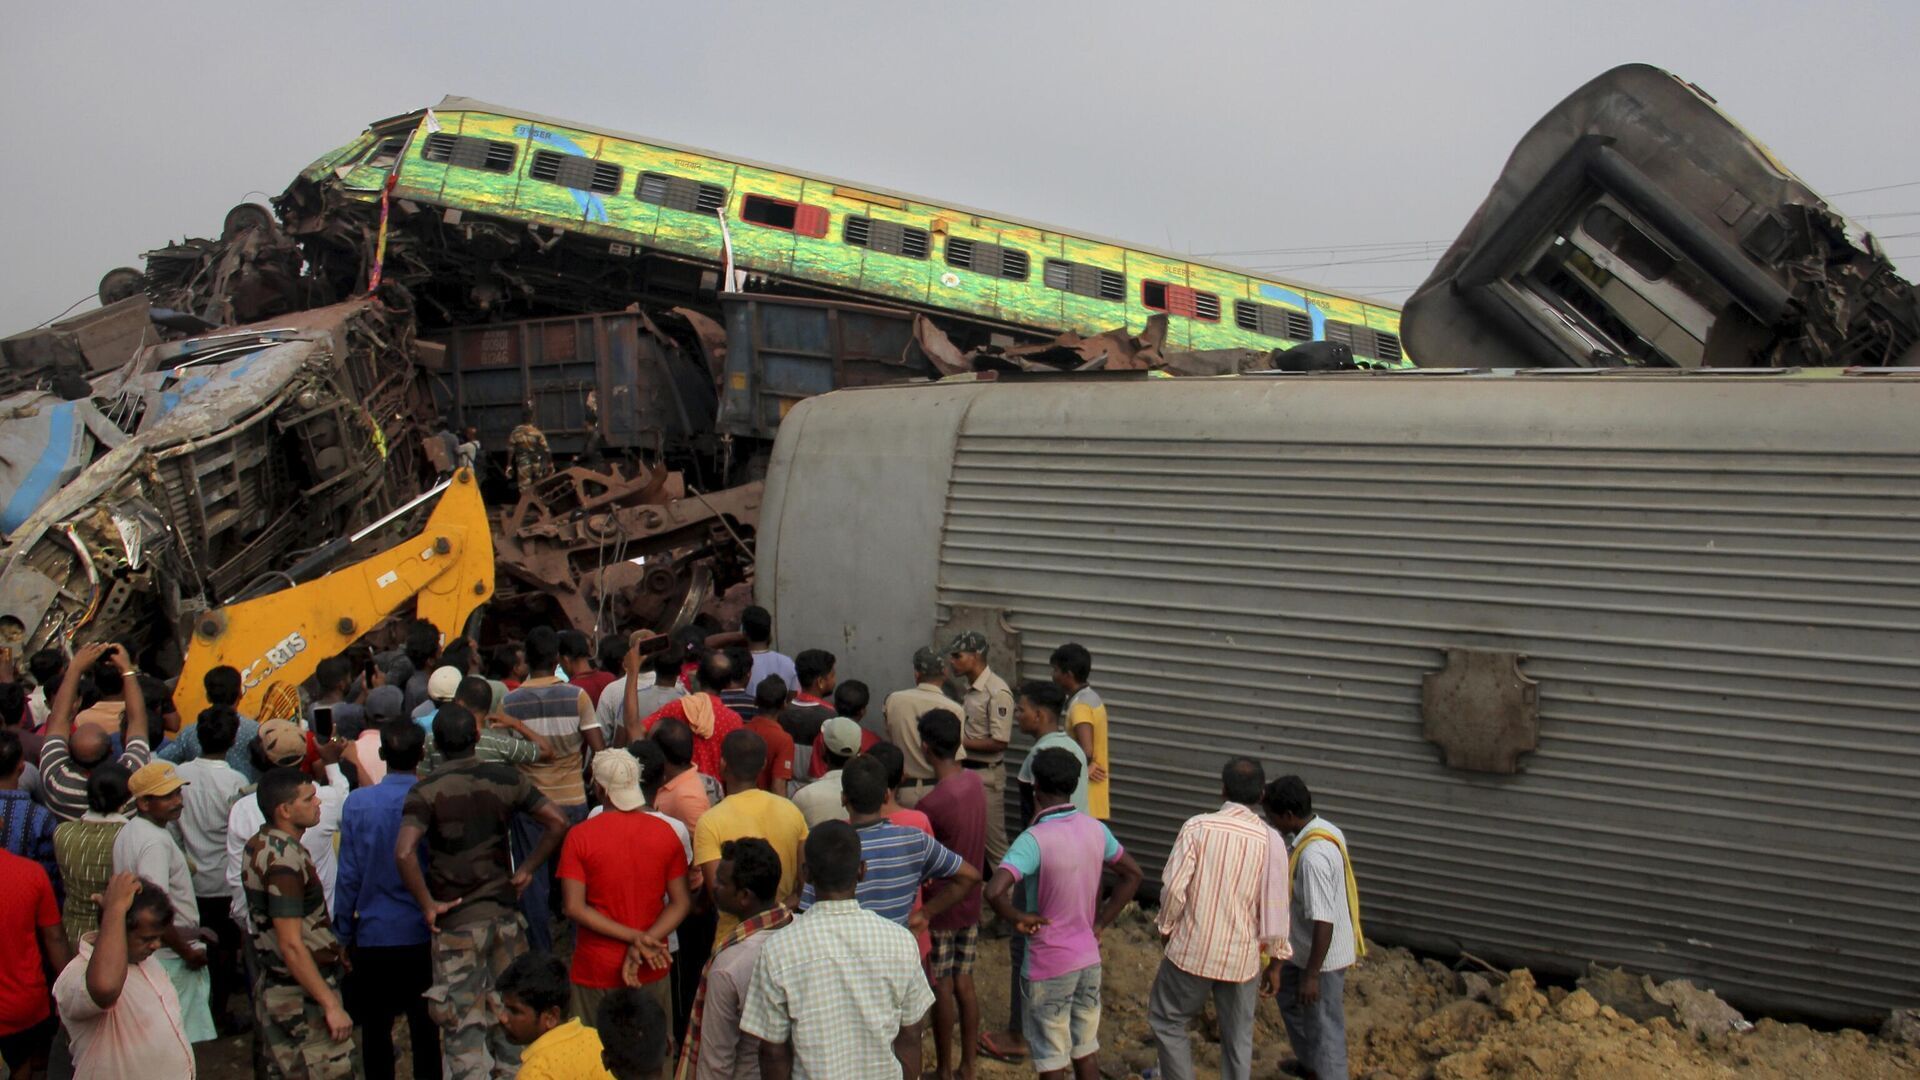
x=146 y=848
x=986 y=728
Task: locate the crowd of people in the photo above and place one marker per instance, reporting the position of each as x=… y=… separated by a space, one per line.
x=694 y=857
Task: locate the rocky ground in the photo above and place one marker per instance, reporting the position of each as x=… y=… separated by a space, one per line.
x=1410 y=1019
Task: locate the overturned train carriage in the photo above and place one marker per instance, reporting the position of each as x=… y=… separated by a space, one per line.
x=1636 y=224
x=1620 y=667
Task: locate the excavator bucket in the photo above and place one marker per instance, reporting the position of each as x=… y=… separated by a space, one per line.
x=277 y=640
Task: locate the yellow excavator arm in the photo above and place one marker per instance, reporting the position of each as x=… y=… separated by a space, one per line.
x=277 y=640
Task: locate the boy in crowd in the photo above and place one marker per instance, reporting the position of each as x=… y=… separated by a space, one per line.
x=1085 y=718
x=533 y=1013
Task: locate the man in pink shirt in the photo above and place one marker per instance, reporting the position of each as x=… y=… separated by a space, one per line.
x=115 y=999
x=1223 y=895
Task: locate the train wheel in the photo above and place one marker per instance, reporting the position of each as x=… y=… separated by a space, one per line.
x=243 y=217
x=120 y=283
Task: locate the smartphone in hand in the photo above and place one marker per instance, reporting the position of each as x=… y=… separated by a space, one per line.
x=323 y=723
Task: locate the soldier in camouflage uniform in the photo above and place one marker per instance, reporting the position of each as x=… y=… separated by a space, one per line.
x=462 y=812
x=303 y=1030
x=532 y=461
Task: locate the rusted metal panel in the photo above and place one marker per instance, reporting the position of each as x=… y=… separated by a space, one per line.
x=781 y=350
x=1481 y=711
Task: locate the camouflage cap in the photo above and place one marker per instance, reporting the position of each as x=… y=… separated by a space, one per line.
x=972 y=641
x=927 y=660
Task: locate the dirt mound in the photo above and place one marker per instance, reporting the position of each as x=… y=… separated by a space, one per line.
x=1410 y=1019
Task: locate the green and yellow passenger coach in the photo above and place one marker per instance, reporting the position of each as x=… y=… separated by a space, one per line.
x=641 y=195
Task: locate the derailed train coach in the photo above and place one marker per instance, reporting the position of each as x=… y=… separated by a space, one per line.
x=1616 y=662
x=1621 y=669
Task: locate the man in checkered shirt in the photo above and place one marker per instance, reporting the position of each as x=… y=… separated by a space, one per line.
x=839 y=994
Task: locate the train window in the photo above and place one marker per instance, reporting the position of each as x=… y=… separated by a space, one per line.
x=888 y=237
x=1085 y=280
x=1180 y=300
x=680 y=193
x=784 y=214
x=993 y=260
x=1271 y=321
x=386 y=152
x=469 y=152
x=574 y=171
x=1364 y=341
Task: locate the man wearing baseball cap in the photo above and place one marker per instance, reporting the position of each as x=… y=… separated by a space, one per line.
x=986 y=728
x=820 y=801
x=442 y=685
x=145 y=847
x=634 y=868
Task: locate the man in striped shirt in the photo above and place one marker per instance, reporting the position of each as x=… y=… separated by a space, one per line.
x=898 y=858
x=71 y=751
x=563 y=714
x=1222 y=897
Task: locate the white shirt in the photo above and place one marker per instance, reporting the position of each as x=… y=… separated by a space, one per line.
x=202 y=828
x=612 y=710
x=151 y=851
x=1320 y=895
x=245 y=819
x=819 y=802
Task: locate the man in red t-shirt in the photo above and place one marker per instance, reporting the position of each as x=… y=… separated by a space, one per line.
x=768 y=699
x=31 y=940
x=621 y=869
x=705 y=713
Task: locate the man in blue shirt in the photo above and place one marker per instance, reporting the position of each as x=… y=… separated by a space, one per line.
x=378 y=921
x=222 y=685
x=898 y=858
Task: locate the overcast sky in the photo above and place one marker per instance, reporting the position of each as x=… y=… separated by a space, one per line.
x=1271 y=128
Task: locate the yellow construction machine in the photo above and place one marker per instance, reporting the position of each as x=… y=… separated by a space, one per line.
x=276 y=639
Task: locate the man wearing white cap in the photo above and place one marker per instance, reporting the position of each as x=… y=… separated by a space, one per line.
x=621 y=870
x=442 y=685
x=820 y=801
x=146 y=848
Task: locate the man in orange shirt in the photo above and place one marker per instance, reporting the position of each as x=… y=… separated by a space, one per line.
x=682 y=794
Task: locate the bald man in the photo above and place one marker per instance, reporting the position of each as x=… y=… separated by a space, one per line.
x=70 y=754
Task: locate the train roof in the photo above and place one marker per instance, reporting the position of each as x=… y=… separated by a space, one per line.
x=456 y=103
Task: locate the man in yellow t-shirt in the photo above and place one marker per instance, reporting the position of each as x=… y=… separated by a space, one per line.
x=747 y=811
x=1085 y=718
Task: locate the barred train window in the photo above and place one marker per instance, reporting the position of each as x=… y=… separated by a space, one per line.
x=469 y=152
x=1085 y=280
x=888 y=237
x=1272 y=321
x=993 y=260
x=680 y=193
x=574 y=171
x=1180 y=300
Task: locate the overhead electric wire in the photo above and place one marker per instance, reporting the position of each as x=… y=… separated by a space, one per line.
x=1865 y=190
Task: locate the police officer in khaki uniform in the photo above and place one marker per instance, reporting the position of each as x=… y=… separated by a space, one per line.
x=986 y=726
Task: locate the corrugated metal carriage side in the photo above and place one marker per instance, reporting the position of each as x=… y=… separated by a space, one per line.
x=1710 y=578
